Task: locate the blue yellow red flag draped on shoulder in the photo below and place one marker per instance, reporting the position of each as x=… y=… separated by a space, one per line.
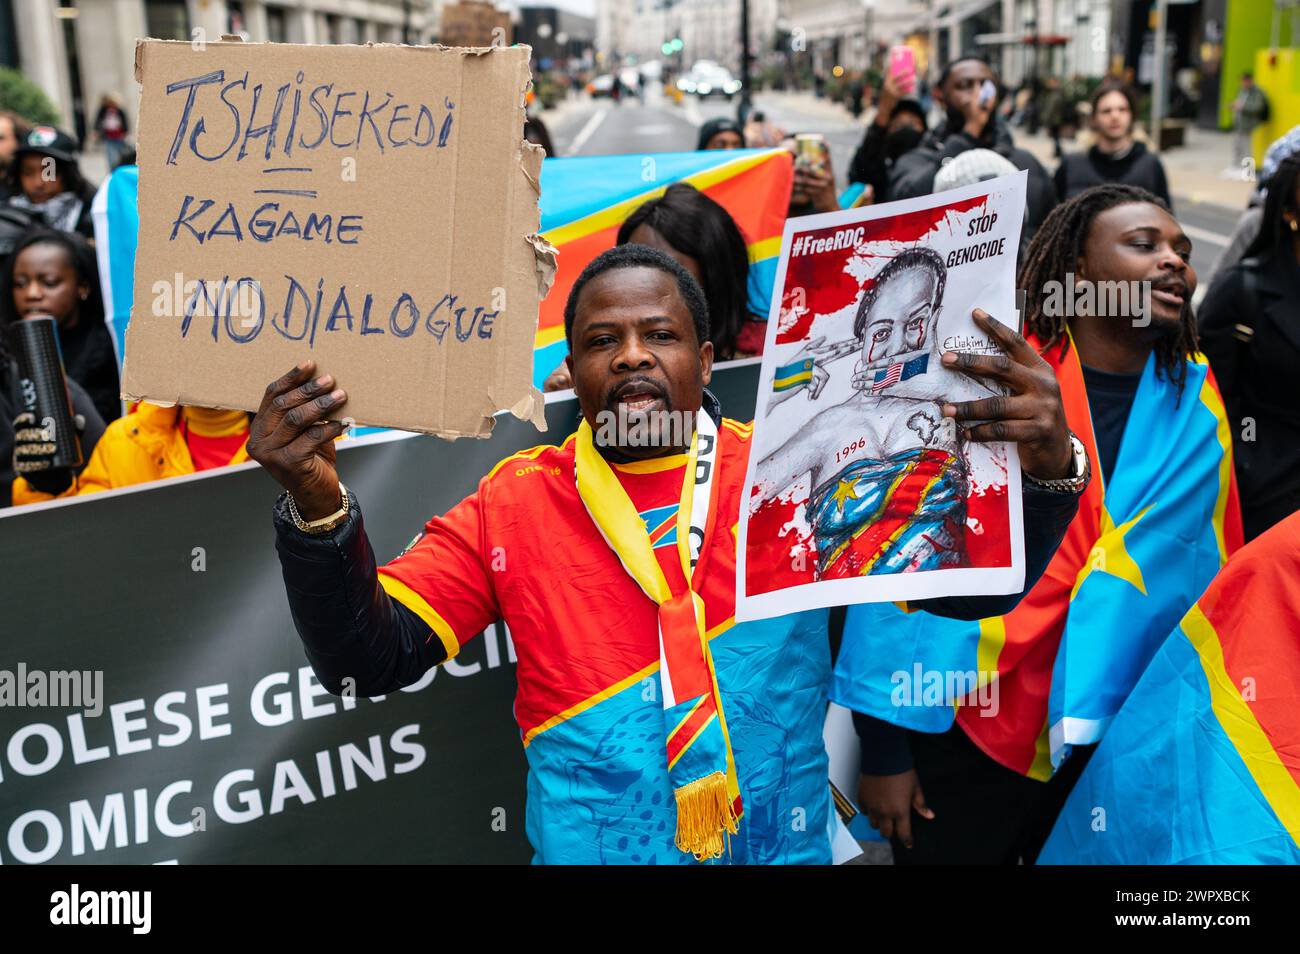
x=1202 y=764
x=1060 y=665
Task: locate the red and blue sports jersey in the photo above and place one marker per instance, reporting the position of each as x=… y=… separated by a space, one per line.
x=523 y=549
x=655 y=489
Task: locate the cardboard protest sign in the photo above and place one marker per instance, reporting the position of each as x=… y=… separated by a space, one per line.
x=371 y=207
x=859 y=489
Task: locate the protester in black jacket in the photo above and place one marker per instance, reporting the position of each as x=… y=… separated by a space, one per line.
x=1250 y=331
x=898 y=127
x=971 y=123
x=55 y=274
x=721 y=133
x=1115 y=157
x=45 y=182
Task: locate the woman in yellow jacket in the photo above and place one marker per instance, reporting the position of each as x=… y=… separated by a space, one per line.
x=153 y=443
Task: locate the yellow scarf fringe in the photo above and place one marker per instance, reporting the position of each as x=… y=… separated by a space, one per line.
x=704 y=816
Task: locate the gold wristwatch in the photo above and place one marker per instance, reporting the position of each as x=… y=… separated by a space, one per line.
x=324 y=524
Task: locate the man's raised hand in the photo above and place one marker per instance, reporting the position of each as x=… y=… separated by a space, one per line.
x=291 y=439
x=1031 y=413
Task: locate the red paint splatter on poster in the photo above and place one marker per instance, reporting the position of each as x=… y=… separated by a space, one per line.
x=818 y=284
x=779 y=555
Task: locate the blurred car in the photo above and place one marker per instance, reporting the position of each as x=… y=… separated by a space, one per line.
x=601 y=85
x=708 y=78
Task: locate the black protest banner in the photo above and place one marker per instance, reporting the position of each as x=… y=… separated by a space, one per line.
x=200 y=734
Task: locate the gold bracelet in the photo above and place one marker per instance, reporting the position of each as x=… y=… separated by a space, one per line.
x=324 y=524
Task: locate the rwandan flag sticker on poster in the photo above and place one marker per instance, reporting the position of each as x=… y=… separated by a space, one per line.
x=859 y=490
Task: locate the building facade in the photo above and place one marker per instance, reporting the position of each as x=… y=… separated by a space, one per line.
x=78 y=50
x=558 y=37
x=635 y=30
x=855 y=35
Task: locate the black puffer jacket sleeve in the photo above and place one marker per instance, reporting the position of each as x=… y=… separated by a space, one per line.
x=869 y=163
x=349 y=626
x=913 y=172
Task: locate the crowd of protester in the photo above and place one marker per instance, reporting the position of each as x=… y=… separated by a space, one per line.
x=46 y=235
x=49 y=268
x=1104 y=215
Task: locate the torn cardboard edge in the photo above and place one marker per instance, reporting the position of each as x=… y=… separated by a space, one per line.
x=235 y=38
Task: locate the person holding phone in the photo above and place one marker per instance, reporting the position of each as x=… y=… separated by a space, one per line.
x=897 y=128
x=968 y=93
x=813 y=187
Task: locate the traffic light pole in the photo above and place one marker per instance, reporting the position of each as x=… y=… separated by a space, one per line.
x=746 y=65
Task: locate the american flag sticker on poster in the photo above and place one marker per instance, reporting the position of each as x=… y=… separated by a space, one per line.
x=859 y=490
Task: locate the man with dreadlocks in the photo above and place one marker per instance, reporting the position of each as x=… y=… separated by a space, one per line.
x=1149 y=536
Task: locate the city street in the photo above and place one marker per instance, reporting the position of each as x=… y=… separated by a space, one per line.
x=1206 y=207
x=592 y=127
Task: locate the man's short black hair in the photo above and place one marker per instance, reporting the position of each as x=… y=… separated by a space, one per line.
x=641 y=256
x=965 y=58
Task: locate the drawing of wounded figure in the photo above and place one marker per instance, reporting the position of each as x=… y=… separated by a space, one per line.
x=889 y=473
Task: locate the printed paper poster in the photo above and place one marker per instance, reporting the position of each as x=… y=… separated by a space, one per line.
x=859 y=489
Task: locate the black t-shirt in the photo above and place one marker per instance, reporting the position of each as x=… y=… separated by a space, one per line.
x=1110 y=398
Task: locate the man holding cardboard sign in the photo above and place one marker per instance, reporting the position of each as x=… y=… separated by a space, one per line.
x=657 y=729
x=374 y=207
